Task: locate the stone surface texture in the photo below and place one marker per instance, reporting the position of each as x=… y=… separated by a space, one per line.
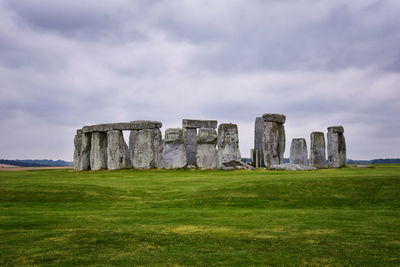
x=228 y=143
x=206 y=156
x=258 y=155
x=271 y=144
x=133 y=125
x=272 y=117
x=118 y=156
x=336 y=129
x=146 y=148
x=317 y=150
x=269 y=140
x=292 y=167
x=190 y=136
x=77 y=150
x=186 y=123
x=298 y=151
x=336 y=149
x=174 y=152
x=98 y=152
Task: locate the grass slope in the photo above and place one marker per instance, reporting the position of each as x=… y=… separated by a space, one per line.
x=326 y=217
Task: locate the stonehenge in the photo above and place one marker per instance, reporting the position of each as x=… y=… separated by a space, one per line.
x=298 y=151
x=198 y=144
x=336 y=147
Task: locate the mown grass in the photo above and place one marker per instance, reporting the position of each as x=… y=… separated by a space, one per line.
x=327 y=217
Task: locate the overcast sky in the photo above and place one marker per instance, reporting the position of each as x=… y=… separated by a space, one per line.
x=65 y=64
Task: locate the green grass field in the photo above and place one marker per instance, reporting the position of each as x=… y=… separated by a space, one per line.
x=333 y=217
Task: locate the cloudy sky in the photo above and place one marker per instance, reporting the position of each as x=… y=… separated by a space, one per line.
x=65 y=64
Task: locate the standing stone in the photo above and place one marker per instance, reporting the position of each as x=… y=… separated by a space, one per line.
x=298 y=151
x=271 y=144
x=282 y=143
x=206 y=156
x=145 y=148
x=336 y=147
x=98 y=152
x=117 y=151
x=174 y=152
x=228 y=144
x=83 y=163
x=258 y=143
x=317 y=150
x=190 y=136
x=269 y=140
x=78 y=147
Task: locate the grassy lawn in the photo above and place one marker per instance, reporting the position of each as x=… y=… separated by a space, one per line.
x=327 y=217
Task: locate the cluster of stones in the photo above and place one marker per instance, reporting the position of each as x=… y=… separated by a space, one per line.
x=269 y=146
x=196 y=144
x=336 y=149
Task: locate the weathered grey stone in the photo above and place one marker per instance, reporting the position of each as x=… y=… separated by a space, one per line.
x=298 y=151
x=292 y=167
x=83 y=161
x=146 y=148
x=206 y=156
x=133 y=125
x=186 y=123
x=336 y=149
x=98 y=152
x=317 y=150
x=272 y=117
x=190 y=136
x=258 y=143
x=271 y=150
x=228 y=143
x=174 y=152
x=282 y=142
x=78 y=147
x=118 y=156
x=336 y=129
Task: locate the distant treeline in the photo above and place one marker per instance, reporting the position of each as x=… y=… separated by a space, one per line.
x=36 y=162
x=374 y=161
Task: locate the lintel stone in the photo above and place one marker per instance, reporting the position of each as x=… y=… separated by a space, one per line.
x=120 y=126
x=272 y=117
x=186 y=123
x=336 y=129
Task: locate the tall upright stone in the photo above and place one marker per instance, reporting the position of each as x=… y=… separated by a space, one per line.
x=317 y=150
x=78 y=147
x=118 y=156
x=271 y=139
x=190 y=137
x=146 y=148
x=336 y=147
x=258 y=156
x=206 y=156
x=298 y=151
x=228 y=144
x=174 y=152
x=98 y=152
x=83 y=147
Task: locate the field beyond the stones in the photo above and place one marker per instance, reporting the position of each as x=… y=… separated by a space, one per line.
x=335 y=217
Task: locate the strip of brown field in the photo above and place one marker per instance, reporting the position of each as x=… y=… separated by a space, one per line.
x=4 y=167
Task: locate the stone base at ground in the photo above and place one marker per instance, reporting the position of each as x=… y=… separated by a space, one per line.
x=292 y=167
